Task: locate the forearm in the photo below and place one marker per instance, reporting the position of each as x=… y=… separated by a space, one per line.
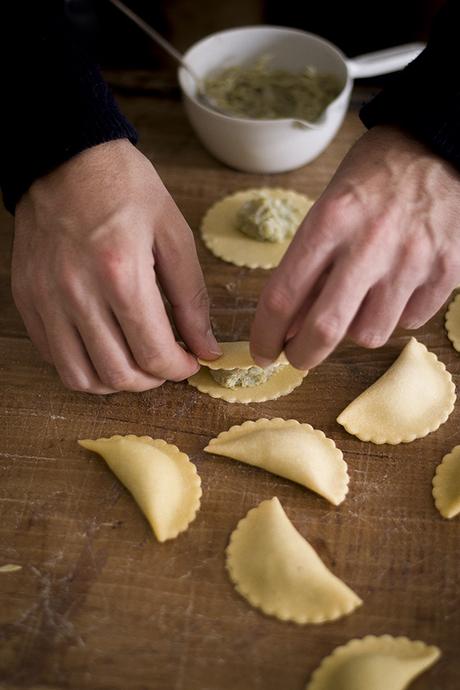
x=424 y=98
x=55 y=101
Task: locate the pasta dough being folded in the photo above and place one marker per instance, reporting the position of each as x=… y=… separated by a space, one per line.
x=236 y=358
x=412 y=398
x=446 y=484
x=289 y=449
x=276 y=570
x=374 y=663
x=162 y=480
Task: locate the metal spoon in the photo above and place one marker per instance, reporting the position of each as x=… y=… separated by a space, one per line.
x=155 y=36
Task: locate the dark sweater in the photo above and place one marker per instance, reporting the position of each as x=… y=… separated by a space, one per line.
x=55 y=102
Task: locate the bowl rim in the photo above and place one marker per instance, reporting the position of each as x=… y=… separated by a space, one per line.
x=181 y=72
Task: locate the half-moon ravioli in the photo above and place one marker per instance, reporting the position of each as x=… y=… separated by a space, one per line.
x=277 y=571
x=412 y=398
x=289 y=449
x=236 y=356
x=446 y=484
x=162 y=480
x=452 y=322
x=374 y=663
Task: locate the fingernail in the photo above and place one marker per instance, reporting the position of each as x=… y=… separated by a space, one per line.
x=262 y=362
x=213 y=346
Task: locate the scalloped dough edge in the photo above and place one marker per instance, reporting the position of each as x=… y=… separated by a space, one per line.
x=371 y=643
x=438 y=480
x=189 y=466
x=204 y=382
x=453 y=313
x=211 y=241
x=379 y=440
x=274 y=421
x=338 y=612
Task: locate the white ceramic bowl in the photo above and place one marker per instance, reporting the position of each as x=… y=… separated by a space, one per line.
x=270 y=146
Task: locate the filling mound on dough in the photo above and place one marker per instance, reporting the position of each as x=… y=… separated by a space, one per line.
x=243 y=378
x=268 y=219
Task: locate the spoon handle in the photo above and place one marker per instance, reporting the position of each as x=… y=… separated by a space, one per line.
x=155 y=36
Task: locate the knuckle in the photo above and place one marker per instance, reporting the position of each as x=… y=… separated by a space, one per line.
x=74 y=382
x=276 y=302
x=153 y=362
x=449 y=269
x=197 y=301
x=327 y=330
x=118 y=379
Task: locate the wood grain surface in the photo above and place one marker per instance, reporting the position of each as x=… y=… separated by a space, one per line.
x=99 y=604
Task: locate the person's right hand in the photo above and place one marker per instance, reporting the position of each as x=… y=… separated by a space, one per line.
x=91 y=240
x=380 y=247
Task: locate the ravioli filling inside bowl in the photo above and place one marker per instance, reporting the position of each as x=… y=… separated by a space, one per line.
x=244 y=378
x=268 y=219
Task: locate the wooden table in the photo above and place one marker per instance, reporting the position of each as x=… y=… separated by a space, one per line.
x=99 y=604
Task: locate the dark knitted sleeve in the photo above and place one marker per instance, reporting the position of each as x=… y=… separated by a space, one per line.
x=424 y=98
x=55 y=102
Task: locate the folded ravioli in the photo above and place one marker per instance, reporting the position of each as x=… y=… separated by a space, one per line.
x=277 y=571
x=446 y=484
x=289 y=449
x=236 y=357
x=162 y=480
x=222 y=235
x=453 y=322
x=374 y=663
x=412 y=398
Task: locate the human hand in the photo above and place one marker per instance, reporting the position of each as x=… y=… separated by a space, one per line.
x=381 y=247
x=91 y=240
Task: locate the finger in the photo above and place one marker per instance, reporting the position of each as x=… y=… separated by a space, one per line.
x=313 y=295
x=36 y=331
x=109 y=353
x=70 y=357
x=135 y=300
x=307 y=258
x=381 y=311
x=181 y=279
x=329 y=319
x=426 y=301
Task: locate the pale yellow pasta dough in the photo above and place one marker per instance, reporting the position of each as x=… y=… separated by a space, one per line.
x=277 y=571
x=412 y=398
x=446 y=484
x=374 y=663
x=236 y=355
x=222 y=237
x=10 y=568
x=163 y=481
x=289 y=449
x=453 y=322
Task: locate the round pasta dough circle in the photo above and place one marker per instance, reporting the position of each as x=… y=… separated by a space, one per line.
x=224 y=240
x=282 y=382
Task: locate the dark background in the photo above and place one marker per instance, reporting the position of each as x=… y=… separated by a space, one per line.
x=356 y=26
